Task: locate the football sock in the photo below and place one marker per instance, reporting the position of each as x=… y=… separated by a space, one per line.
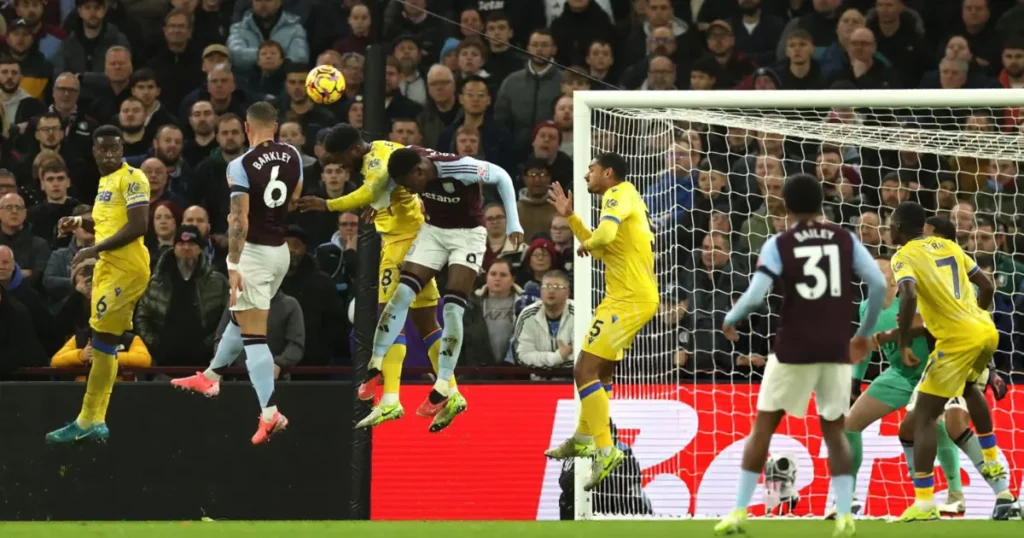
x=392 y=317
x=595 y=411
x=843 y=486
x=971 y=445
x=451 y=343
x=924 y=487
x=949 y=458
x=433 y=343
x=260 y=363
x=745 y=491
x=988 y=446
x=856 y=456
x=102 y=374
x=391 y=371
x=228 y=348
x=908 y=451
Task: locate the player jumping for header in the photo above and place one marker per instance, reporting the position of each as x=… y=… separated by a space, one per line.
x=453 y=235
x=933 y=275
x=258 y=261
x=623 y=240
x=119 y=219
x=814 y=263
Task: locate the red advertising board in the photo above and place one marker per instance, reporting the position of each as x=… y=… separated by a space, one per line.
x=687 y=439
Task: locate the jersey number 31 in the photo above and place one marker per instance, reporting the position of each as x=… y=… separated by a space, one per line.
x=832 y=281
x=276 y=192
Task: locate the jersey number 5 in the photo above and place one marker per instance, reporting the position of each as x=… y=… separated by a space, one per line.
x=276 y=192
x=812 y=256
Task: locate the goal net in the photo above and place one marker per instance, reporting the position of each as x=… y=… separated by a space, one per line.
x=710 y=166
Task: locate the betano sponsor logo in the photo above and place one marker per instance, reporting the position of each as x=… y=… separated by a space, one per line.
x=687 y=439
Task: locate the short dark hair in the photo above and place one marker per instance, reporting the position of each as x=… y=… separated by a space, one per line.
x=53 y=167
x=498 y=15
x=473 y=78
x=892 y=176
x=541 y=31
x=985 y=220
x=131 y=98
x=944 y=228
x=143 y=75
x=49 y=115
x=295 y=67
x=614 y=161
x=706 y=64
x=1014 y=41
x=168 y=126
x=261 y=112
x=341 y=138
x=7 y=59
x=402 y=161
x=802 y=194
x=106 y=131
x=226 y=117
x=800 y=33
x=556 y=273
x=909 y=217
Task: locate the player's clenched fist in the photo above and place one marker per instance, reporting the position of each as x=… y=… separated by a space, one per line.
x=311 y=203
x=67 y=225
x=516 y=238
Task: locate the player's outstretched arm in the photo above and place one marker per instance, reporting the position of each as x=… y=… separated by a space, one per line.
x=498 y=177
x=136 y=227
x=986 y=289
x=869 y=272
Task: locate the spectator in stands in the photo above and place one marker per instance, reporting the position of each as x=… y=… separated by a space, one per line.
x=952 y=75
x=359 y=19
x=286 y=334
x=266 y=21
x=660 y=42
x=1012 y=75
x=1009 y=274
x=674 y=326
x=19 y=105
x=213 y=246
x=203 y=139
x=546 y=144
x=765 y=79
x=1001 y=194
x=502 y=60
x=471 y=53
x=167 y=146
x=78 y=125
x=869 y=231
x=269 y=76
x=86 y=47
x=77 y=351
x=835 y=58
x=8 y=185
x=209 y=189
x=757 y=32
x=36 y=70
x=131 y=118
x=563 y=122
x=110 y=89
x=407 y=51
x=57 y=282
x=544 y=330
x=144 y=87
x=527 y=96
x=562 y=238
x=758 y=227
x=49 y=135
x=600 y=61
x=42 y=217
x=179 y=311
x=842 y=204
x=220 y=91
x=711 y=194
x=962 y=216
x=901 y=40
x=535 y=212
x=156 y=173
x=395 y=104
x=977 y=26
x=537 y=261
x=352 y=69
x=290 y=132
x=714 y=282
x=18 y=346
x=176 y=61
x=735 y=69
x=864 y=70
x=337 y=258
x=30 y=252
x=891 y=194
x=467 y=144
x=298 y=107
x=406 y=131
x=495 y=140
x=441 y=109
x=165 y=217
x=660 y=13
x=21 y=288
x=800 y=71
x=704 y=73
x=821 y=24
x=490 y=316
x=498 y=245
x=316 y=294
x=1007 y=309
x=414 y=20
x=661 y=74
x=46 y=35
x=669 y=199
x=581 y=22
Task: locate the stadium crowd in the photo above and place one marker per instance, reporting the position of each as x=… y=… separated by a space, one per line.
x=177 y=77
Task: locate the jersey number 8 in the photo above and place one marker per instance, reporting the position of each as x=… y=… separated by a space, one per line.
x=276 y=192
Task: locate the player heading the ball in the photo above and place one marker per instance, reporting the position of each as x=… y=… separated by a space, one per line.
x=814 y=263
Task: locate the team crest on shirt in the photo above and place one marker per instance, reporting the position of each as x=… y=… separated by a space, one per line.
x=448 y=187
x=897 y=267
x=481 y=171
x=134 y=188
x=611 y=203
x=373 y=163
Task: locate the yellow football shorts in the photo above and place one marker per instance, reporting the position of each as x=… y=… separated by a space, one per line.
x=614 y=326
x=392 y=253
x=956 y=361
x=114 y=295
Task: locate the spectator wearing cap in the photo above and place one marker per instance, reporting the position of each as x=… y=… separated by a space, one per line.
x=412 y=85
x=757 y=32
x=800 y=71
x=543 y=336
x=535 y=212
x=502 y=59
x=900 y=35
x=441 y=108
x=660 y=42
x=495 y=140
x=490 y=317
x=448 y=58
x=547 y=140
x=821 y=23
x=766 y=79
x=359 y=20
x=22 y=287
x=47 y=36
x=86 y=48
x=864 y=70
x=178 y=314
x=538 y=259
x=581 y=22
x=266 y=21
x=704 y=73
x=36 y=70
x=528 y=96
x=321 y=306
x=177 y=61
x=736 y=69
x=413 y=20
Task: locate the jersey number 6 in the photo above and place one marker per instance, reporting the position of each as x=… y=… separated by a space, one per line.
x=276 y=192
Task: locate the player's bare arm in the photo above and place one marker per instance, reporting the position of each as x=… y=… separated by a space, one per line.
x=67 y=225
x=907 y=313
x=238 y=228
x=136 y=227
x=986 y=290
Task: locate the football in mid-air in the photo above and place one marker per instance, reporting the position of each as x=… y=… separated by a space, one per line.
x=325 y=85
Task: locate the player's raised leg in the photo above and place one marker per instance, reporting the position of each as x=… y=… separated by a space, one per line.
x=229 y=347
x=461 y=274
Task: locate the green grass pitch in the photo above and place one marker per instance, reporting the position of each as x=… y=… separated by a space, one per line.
x=499 y=529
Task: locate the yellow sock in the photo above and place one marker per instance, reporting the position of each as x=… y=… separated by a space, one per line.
x=988 y=446
x=102 y=374
x=924 y=486
x=433 y=342
x=391 y=368
x=595 y=412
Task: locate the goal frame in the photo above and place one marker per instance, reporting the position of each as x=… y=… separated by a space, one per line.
x=585 y=102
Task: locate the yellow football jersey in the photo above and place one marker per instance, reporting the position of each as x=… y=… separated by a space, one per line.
x=945 y=295
x=629 y=258
x=398 y=210
x=118 y=192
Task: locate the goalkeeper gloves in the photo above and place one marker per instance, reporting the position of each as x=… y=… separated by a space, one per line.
x=998 y=385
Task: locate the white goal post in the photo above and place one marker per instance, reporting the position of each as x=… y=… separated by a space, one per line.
x=683 y=402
